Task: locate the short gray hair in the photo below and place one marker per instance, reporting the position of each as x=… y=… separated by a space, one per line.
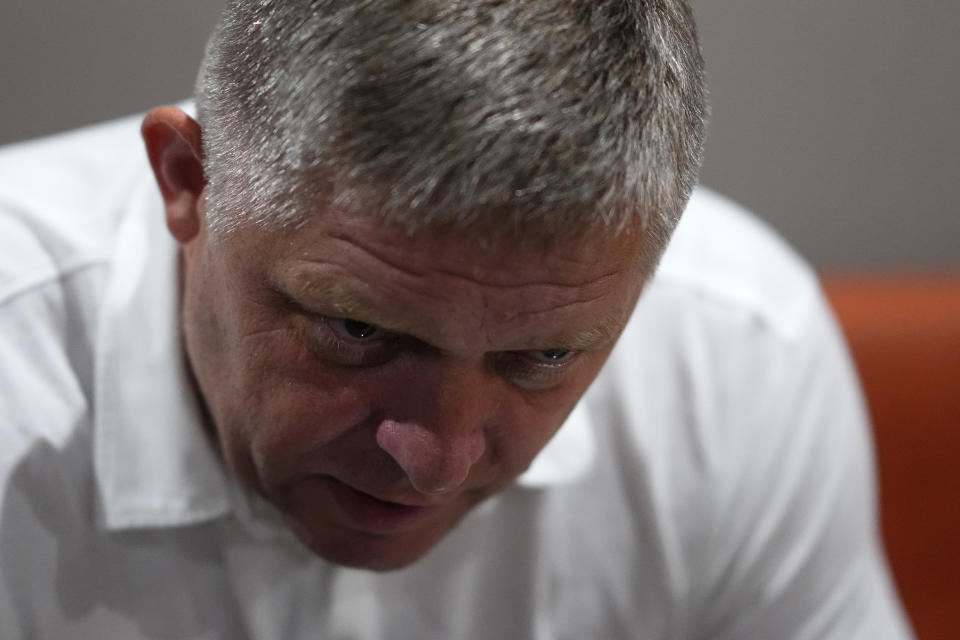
x=556 y=116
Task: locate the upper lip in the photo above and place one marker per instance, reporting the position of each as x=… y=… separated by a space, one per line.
x=405 y=500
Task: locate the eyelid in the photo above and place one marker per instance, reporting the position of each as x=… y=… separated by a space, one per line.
x=568 y=354
x=379 y=335
x=295 y=304
x=534 y=374
x=330 y=344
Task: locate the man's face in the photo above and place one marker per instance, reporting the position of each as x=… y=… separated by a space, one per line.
x=375 y=386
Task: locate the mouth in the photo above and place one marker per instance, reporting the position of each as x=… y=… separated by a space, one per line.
x=369 y=514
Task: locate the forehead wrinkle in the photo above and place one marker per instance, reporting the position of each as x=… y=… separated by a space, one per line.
x=412 y=277
x=345 y=238
x=340 y=285
x=488 y=291
x=474 y=276
x=345 y=301
x=475 y=279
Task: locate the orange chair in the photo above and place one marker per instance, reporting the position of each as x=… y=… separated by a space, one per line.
x=904 y=333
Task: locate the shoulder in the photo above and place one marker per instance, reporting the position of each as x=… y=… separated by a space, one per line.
x=61 y=199
x=74 y=165
x=723 y=256
x=731 y=306
x=61 y=202
x=732 y=400
x=733 y=324
x=728 y=341
x=69 y=163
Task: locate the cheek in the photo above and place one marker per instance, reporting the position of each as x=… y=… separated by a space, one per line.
x=288 y=408
x=533 y=421
x=519 y=436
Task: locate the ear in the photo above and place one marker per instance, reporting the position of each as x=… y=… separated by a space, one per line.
x=173 y=141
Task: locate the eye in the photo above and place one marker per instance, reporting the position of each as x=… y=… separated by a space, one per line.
x=536 y=369
x=356 y=329
x=352 y=342
x=552 y=356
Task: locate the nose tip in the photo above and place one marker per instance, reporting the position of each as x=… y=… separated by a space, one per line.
x=433 y=463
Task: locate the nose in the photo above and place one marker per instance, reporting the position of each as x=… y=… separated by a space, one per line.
x=441 y=434
x=436 y=432
x=433 y=461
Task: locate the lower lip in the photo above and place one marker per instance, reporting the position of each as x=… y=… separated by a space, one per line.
x=375 y=516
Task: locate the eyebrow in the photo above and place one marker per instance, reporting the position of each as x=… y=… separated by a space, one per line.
x=326 y=297
x=606 y=330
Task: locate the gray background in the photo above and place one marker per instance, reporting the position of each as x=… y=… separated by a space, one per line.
x=834 y=120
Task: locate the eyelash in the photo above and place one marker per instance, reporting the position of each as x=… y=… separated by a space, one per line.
x=525 y=370
x=337 y=345
x=530 y=370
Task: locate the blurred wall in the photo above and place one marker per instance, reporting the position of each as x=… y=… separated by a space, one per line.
x=64 y=64
x=835 y=121
x=839 y=123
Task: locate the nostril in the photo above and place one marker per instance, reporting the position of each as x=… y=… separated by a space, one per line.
x=433 y=463
x=431 y=489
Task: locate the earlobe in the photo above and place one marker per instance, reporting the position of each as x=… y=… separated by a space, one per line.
x=174 y=146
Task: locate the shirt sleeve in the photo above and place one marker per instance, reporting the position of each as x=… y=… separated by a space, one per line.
x=794 y=549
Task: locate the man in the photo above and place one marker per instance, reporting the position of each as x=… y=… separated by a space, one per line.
x=347 y=395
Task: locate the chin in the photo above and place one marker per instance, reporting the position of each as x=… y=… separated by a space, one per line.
x=353 y=529
x=364 y=551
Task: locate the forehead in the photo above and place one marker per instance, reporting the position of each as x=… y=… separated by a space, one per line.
x=473 y=248
x=449 y=285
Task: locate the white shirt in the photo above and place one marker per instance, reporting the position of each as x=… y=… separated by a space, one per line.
x=715 y=482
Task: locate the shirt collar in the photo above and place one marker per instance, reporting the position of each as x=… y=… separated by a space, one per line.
x=568 y=456
x=154 y=465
